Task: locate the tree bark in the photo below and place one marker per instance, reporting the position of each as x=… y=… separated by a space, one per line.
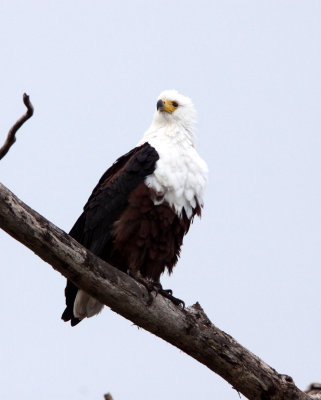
x=188 y=329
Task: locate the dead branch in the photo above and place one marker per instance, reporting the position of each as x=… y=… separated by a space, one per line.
x=188 y=329
x=11 y=138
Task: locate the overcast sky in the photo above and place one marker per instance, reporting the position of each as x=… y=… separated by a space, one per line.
x=93 y=70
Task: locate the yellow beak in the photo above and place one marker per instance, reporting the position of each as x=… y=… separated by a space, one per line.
x=165 y=105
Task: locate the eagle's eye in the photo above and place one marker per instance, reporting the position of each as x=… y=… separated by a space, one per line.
x=175 y=104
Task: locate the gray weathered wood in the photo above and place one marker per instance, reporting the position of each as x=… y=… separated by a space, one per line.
x=190 y=330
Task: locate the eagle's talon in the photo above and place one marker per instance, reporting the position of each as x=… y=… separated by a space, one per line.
x=156 y=287
x=168 y=294
x=159 y=288
x=168 y=291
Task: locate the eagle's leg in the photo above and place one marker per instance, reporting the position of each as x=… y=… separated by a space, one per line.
x=154 y=286
x=158 y=287
x=168 y=293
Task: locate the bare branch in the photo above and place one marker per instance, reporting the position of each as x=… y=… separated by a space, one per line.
x=11 y=138
x=190 y=329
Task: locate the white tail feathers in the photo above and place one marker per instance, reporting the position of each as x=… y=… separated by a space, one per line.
x=86 y=306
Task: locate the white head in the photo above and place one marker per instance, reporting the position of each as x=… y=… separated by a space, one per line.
x=173 y=107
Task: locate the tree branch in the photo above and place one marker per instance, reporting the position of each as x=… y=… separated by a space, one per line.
x=188 y=329
x=11 y=138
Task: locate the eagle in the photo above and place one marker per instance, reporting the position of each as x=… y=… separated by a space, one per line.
x=143 y=205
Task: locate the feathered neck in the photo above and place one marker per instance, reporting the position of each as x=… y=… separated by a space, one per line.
x=170 y=129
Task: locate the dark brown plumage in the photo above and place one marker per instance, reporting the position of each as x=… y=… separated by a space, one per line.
x=148 y=238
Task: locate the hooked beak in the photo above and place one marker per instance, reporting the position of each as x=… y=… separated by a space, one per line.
x=160 y=105
x=165 y=105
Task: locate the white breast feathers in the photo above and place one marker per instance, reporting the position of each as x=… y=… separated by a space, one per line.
x=180 y=175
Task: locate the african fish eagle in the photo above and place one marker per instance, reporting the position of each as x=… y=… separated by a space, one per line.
x=143 y=205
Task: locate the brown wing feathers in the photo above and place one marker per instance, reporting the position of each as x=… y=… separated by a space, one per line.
x=107 y=202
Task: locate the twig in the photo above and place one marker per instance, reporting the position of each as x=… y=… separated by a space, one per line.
x=11 y=138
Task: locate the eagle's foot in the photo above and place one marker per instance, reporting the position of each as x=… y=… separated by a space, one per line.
x=153 y=286
x=158 y=288
x=168 y=293
x=169 y=296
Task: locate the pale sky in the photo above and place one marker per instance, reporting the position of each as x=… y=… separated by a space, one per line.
x=93 y=70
